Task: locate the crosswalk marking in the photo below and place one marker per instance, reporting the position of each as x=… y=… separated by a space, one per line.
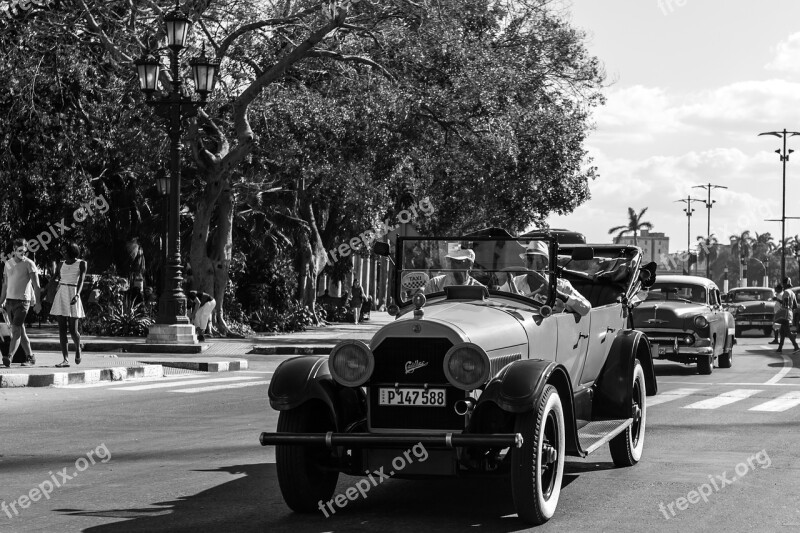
x=669 y=396
x=222 y=387
x=726 y=398
x=191 y=382
x=781 y=403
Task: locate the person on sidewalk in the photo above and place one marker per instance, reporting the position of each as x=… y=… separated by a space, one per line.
x=67 y=305
x=202 y=316
x=20 y=291
x=784 y=316
x=356 y=300
x=775 y=330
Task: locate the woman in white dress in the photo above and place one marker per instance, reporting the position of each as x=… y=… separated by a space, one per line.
x=67 y=306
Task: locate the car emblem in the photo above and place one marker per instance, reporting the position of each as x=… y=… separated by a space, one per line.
x=411 y=366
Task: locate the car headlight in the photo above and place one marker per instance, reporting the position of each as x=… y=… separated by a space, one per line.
x=351 y=363
x=466 y=366
x=700 y=322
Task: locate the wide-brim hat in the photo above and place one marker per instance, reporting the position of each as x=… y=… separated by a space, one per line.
x=536 y=248
x=461 y=255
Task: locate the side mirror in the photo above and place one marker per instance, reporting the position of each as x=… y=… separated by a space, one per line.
x=381 y=248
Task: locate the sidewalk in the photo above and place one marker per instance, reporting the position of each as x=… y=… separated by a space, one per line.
x=138 y=360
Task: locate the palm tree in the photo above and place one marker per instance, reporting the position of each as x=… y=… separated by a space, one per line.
x=634 y=225
x=742 y=245
x=707 y=250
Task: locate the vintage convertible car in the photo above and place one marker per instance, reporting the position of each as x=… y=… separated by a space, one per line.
x=684 y=319
x=752 y=307
x=488 y=381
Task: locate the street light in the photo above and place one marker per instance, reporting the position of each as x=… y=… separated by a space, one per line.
x=709 y=205
x=689 y=210
x=172 y=325
x=765 y=281
x=784 y=158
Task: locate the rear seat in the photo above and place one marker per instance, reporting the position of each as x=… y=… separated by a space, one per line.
x=604 y=288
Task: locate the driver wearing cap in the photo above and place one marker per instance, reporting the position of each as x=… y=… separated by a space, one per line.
x=460 y=261
x=535 y=284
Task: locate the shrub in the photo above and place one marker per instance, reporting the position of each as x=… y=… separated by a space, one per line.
x=297 y=317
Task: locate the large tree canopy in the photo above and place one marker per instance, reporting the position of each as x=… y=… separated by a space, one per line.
x=326 y=115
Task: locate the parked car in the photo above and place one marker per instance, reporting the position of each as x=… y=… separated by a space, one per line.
x=752 y=307
x=489 y=382
x=684 y=319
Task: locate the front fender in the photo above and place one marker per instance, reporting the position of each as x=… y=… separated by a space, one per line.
x=615 y=383
x=306 y=378
x=519 y=385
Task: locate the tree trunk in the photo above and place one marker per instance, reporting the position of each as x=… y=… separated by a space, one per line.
x=311 y=258
x=222 y=245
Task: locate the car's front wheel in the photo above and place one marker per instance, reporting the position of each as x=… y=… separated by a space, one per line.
x=705 y=364
x=302 y=476
x=627 y=447
x=768 y=332
x=538 y=465
x=726 y=359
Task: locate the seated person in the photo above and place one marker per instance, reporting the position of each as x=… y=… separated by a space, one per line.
x=461 y=262
x=698 y=295
x=534 y=283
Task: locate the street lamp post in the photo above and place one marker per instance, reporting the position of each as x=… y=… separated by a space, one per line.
x=765 y=280
x=689 y=210
x=709 y=205
x=172 y=325
x=784 y=155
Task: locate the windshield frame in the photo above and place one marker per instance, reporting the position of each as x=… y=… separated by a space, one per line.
x=552 y=265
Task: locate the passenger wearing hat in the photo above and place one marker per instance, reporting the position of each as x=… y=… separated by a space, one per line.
x=534 y=284
x=460 y=261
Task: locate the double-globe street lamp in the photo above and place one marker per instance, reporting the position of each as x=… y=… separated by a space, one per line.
x=784 y=158
x=709 y=204
x=172 y=325
x=689 y=210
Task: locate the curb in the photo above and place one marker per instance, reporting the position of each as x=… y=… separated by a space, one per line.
x=124 y=347
x=291 y=350
x=95 y=375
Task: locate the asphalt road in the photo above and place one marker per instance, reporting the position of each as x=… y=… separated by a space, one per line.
x=183 y=455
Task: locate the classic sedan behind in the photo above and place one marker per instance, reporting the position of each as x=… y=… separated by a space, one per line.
x=752 y=307
x=683 y=318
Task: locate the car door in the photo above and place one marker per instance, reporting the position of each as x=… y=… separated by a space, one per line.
x=607 y=321
x=717 y=320
x=573 y=343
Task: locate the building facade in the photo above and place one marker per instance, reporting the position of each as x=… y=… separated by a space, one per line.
x=653 y=244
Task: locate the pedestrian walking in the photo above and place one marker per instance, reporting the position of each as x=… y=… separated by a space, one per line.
x=20 y=291
x=356 y=299
x=67 y=305
x=784 y=316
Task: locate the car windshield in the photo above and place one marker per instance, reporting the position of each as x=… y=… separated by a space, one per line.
x=677 y=292
x=505 y=265
x=751 y=295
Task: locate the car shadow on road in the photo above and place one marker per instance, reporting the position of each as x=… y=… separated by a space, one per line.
x=253 y=502
x=663 y=368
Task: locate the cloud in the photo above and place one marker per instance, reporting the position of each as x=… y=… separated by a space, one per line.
x=787 y=55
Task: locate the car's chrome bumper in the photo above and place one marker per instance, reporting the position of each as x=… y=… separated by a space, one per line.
x=753 y=323
x=366 y=440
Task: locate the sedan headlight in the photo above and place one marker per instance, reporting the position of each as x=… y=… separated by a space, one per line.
x=700 y=322
x=351 y=363
x=466 y=366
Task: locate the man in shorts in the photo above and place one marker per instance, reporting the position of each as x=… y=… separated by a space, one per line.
x=20 y=291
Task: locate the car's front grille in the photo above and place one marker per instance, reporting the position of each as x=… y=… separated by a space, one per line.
x=412 y=362
x=664 y=337
x=754 y=316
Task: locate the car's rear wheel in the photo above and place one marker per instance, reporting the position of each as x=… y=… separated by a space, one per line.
x=705 y=364
x=738 y=331
x=627 y=447
x=538 y=465
x=302 y=475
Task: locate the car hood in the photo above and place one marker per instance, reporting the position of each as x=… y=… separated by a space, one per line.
x=755 y=306
x=492 y=327
x=661 y=314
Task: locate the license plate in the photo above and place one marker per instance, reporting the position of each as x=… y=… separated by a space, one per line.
x=659 y=350
x=412 y=397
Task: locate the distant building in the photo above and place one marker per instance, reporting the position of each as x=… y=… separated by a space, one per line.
x=653 y=245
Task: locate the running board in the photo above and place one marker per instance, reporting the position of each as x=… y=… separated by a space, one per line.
x=595 y=434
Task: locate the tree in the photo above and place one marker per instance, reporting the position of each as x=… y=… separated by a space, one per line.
x=707 y=249
x=741 y=246
x=634 y=225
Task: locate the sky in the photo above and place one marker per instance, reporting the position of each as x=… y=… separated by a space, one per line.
x=690 y=85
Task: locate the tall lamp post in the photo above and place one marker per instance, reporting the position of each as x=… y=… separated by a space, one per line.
x=709 y=205
x=163 y=184
x=172 y=325
x=689 y=210
x=784 y=155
